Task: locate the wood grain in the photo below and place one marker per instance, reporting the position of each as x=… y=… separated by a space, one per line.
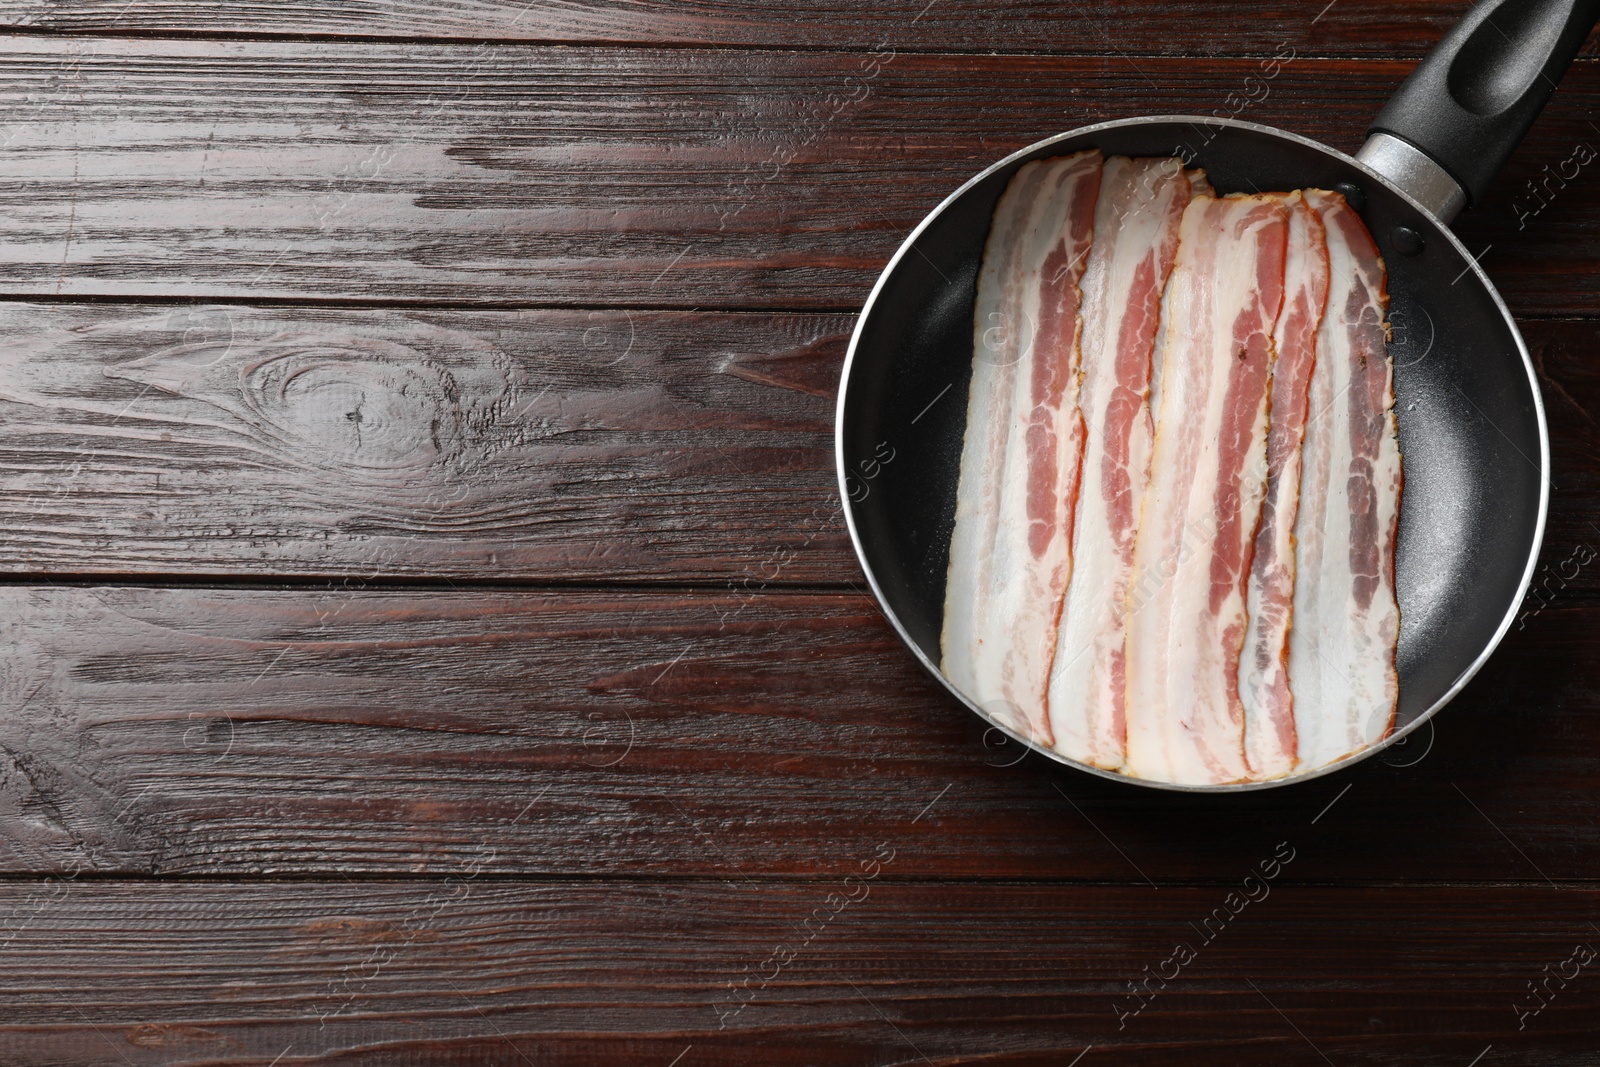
x=489 y=349
x=608 y=177
x=479 y=972
x=192 y=732
x=1384 y=27
x=228 y=441
x=553 y=445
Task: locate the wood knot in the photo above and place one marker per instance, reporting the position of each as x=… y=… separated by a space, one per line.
x=375 y=406
x=404 y=412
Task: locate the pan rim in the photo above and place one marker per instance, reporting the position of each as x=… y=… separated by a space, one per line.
x=889 y=612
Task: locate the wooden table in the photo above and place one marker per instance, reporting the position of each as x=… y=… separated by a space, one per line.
x=430 y=635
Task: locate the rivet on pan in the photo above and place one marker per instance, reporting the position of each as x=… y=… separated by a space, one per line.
x=1407 y=242
x=1352 y=194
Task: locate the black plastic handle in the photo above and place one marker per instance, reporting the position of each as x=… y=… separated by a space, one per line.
x=1473 y=97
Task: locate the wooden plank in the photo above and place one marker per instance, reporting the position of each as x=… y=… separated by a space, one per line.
x=1382 y=27
x=602 y=176
x=230 y=441
x=250 y=732
x=480 y=972
x=555 y=444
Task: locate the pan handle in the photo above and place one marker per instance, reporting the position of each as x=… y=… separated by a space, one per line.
x=1461 y=113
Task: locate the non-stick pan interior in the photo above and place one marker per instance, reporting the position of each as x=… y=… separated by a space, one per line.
x=1469 y=418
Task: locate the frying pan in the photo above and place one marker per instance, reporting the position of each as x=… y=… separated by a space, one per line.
x=1471 y=422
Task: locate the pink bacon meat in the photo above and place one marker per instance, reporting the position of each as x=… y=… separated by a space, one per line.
x=1135 y=241
x=1186 y=614
x=1346 y=618
x=1010 y=551
x=1270 y=744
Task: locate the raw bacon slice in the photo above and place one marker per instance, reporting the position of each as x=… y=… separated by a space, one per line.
x=1010 y=556
x=1186 y=603
x=1346 y=619
x=996 y=351
x=1135 y=240
x=1270 y=746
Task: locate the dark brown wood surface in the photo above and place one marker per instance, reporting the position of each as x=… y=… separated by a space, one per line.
x=427 y=629
x=200 y=732
x=1350 y=27
x=549 y=445
x=623 y=177
x=473 y=970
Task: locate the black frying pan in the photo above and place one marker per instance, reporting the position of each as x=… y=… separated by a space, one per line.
x=1472 y=428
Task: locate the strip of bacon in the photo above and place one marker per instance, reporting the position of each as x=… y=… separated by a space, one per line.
x=1347 y=621
x=997 y=348
x=1270 y=744
x=1186 y=603
x=1135 y=240
x=1010 y=552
